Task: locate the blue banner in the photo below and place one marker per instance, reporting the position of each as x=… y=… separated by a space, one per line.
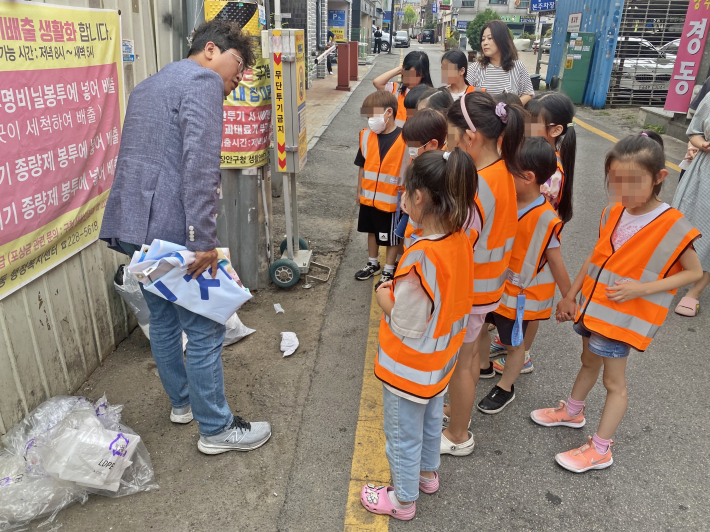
x=542 y=5
x=435 y=6
x=462 y=24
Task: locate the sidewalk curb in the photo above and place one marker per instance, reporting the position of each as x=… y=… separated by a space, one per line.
x=321 y=130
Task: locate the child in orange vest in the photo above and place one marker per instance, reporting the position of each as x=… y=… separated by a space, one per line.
x=551 y=118
x=383 y=158
x=414 y=72
x=476 y=122
x=644 y=254
x=426 y=309
x=535 y=267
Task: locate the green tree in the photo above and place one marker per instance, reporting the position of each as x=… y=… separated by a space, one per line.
x=410 y=16
x=473 y=30
x=548 y=33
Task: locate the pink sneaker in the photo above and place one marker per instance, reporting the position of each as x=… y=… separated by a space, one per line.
x=376 y=499
x=430 y=487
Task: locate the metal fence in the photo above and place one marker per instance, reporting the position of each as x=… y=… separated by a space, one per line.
x=645 y=51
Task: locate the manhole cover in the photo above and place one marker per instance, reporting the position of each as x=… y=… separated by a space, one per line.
x=337 y=147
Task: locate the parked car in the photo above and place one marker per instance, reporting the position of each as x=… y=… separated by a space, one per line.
x=546 y=45
x=385 y=42
x=670 y=50
x=401 y=39
x=427 y=36
x=644 y=69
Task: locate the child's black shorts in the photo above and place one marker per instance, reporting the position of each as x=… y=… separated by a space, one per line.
x=381 y=224
x=504 y=326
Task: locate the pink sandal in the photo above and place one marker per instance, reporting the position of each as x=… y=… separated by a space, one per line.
x=430 y=487
x=376 y=499
x=687 y=306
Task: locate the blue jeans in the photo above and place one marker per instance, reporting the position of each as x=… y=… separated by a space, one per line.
x=413 y=440
x=195 y=379
x=601 y=345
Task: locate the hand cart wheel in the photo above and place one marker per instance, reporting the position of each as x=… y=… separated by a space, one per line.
x=284 y=273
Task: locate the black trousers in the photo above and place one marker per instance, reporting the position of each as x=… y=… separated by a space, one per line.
x=329 y=63
x=378 y=45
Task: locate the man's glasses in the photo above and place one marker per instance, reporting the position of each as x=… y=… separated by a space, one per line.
x=239 y=59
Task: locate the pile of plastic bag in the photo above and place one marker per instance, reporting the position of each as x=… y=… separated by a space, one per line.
x=64 y=450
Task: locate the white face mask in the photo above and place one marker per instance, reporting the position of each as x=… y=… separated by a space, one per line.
x=413 y=152
x=377 y=124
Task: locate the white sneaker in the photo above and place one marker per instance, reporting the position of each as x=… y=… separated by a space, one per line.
x=240 y=436
x=181 y=415
x=457 y=449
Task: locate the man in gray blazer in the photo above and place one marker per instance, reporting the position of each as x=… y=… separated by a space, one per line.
x=167 y=186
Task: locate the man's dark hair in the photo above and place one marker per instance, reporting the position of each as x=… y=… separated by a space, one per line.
x=225 y=35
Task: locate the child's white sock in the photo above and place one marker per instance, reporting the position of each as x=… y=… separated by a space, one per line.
x=373 y=261
x=389 y=268
x=424 y=479
x=396 y=503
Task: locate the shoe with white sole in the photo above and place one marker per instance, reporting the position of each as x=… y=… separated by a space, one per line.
x=457 y=449
x=181 y=415
x=240 y=436
x=446 y=420
x=497 y=348
x=499 y=364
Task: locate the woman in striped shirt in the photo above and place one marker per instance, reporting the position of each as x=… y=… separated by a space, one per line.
x=498 y=70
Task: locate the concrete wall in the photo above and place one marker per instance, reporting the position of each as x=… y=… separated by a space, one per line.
x=57 y=329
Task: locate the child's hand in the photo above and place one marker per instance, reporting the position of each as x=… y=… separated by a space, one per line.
x=386 y=285
x=623 y=291
x=566 y=310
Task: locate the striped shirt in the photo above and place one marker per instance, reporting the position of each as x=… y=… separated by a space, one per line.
x=496 y=80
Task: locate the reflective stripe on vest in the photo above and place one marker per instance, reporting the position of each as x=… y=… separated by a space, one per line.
x=649 y=255
x=423 y=366
x=401 y=116
x=496 y=204
x=528 y=271
x=381 y=180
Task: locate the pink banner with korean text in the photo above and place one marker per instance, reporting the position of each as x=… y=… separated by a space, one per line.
x=61 y=109
x=690 y=52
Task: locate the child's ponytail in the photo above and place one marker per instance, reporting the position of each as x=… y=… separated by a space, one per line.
x=479 y=112
x=556 y=109
x=461 y=183
x=449 y=180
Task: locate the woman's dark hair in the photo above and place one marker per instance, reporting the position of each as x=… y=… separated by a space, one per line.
x=419 y=61
x=538 y=157
x=439 y=100
x=556 y=109
x=458 y=58
x=225 y=35
x=425 y=126
x=414 y=96
x=504 y=42
x=451 y=185
x=481 y=108
x=508 y=97
x=644 y=151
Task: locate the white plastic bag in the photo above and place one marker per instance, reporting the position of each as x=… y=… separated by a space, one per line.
x=236 y=330
x=129 y=289
x=60 y=439
x=289 y=343
x=162 y=268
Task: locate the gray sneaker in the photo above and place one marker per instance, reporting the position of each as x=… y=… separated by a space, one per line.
x=240 y=436
x=181 y=415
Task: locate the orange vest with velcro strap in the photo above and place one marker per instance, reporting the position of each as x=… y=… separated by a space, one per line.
x=401 y=116
x=528 y=271
x=497 y=206
x=470 y=88
x=423 y=366
x=649 y=255
x=382 y=180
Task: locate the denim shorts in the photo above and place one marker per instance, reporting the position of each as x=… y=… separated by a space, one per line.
x=601 y=345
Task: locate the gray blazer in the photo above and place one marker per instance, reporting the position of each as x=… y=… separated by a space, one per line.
x=167 y=181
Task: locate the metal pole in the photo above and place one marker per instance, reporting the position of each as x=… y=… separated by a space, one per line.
x=294 y=213
x=277 y=14
x=287 y=215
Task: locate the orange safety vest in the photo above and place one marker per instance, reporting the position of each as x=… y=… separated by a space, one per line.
x=401 y=116
x=382 y=180
x=423 y=366
x=414 y=231
x=528 y=271
x=470 y=88
x=562 y=180
x=650 y=255
x=497 y=206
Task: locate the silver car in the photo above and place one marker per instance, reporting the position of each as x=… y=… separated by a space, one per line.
x=640 y=68
x=401 y=39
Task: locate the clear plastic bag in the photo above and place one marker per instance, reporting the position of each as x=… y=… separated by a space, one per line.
x=129 y=289
x=65 y=449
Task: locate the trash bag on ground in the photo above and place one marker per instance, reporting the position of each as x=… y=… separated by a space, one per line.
x=129 y=289
x=65 y=449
